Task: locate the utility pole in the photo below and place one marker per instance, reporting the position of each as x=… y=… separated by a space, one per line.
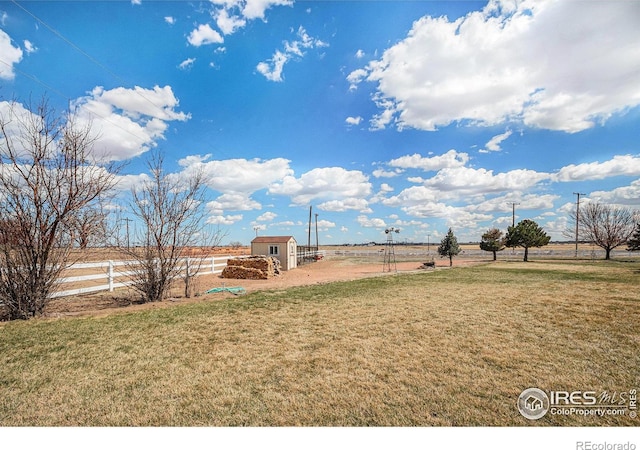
x=256 y=230
x=309 y=235
x=513 y=220
x=317 y=244
x=513 y=212
x=577 y=217
x=127 y=220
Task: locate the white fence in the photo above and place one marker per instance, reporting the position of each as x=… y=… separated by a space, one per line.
x=508 y=253
x=214 y=264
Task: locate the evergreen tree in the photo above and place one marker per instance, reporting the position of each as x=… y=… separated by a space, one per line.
x=492 y=241
x=449 y=247
x=633 y=244
x=526 y=234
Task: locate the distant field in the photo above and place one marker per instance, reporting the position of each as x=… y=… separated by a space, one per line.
x=447 y=347
x=552 y=250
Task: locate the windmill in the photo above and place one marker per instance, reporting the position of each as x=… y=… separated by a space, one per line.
x=389 y=252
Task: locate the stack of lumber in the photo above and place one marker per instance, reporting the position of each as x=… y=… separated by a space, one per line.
x=252 y=268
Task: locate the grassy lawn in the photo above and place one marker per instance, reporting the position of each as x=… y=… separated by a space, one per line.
x=450 y=347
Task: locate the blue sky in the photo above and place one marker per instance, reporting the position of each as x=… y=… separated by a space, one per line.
x=420 y=115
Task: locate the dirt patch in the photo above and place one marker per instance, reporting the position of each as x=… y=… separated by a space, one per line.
x=324 y=271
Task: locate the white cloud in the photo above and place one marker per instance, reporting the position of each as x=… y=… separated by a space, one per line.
x=627 y=165
x=158 y=103
x=258 y=227
x=413 y=195
x=624 y=195
x=550 y=64
x=224 y=220
x=360 y=54
x=187 y=63
x=238 y=175
x=332 y=183
x=355 y=77
x=124 y=183
x=406 y=223
x=494 y=143
x=381 y=173
x=233 y=15
x=29 y=47
x=382 y=193
x=204 y=35
x=381 y=120
x=266 y=217
x=272 y=68
x=470 y=187
x=127 y=122
x=366 y=222
x=502 y=203
x=12 y=115
x=228 y=23
x=457 y=217
x=349 y=204
x=325 y=225
x=232 y=201
x=255 y=9
x=136 y=2
x=170 y=20
x=353 y=120
x=457 y=181
x=449 y=159
x=10 y=55
x=557 y=228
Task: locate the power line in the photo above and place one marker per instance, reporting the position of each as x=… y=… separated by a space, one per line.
x=68 y=99
x=86 y=55
x=94 y=61
x=34 y=78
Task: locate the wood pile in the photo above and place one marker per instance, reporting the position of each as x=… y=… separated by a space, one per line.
x=251 y=268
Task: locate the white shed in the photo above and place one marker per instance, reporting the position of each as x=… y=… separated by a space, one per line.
x=284 y=248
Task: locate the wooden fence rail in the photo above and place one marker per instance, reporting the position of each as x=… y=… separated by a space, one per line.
x=214 y=264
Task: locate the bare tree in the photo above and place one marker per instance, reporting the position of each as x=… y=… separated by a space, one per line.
x=91 y=227
x=606 y=226
x=171 y=212
x=47 y=179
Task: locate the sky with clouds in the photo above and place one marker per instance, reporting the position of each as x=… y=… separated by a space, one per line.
x=418 y=115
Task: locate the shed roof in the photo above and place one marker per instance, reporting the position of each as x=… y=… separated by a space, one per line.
x=271 y=239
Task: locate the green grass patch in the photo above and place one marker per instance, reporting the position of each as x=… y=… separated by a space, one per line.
x=448 y=347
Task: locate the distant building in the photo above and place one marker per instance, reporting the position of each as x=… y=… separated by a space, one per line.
x=284 y=248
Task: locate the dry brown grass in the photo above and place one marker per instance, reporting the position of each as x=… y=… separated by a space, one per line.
x=451 y=347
